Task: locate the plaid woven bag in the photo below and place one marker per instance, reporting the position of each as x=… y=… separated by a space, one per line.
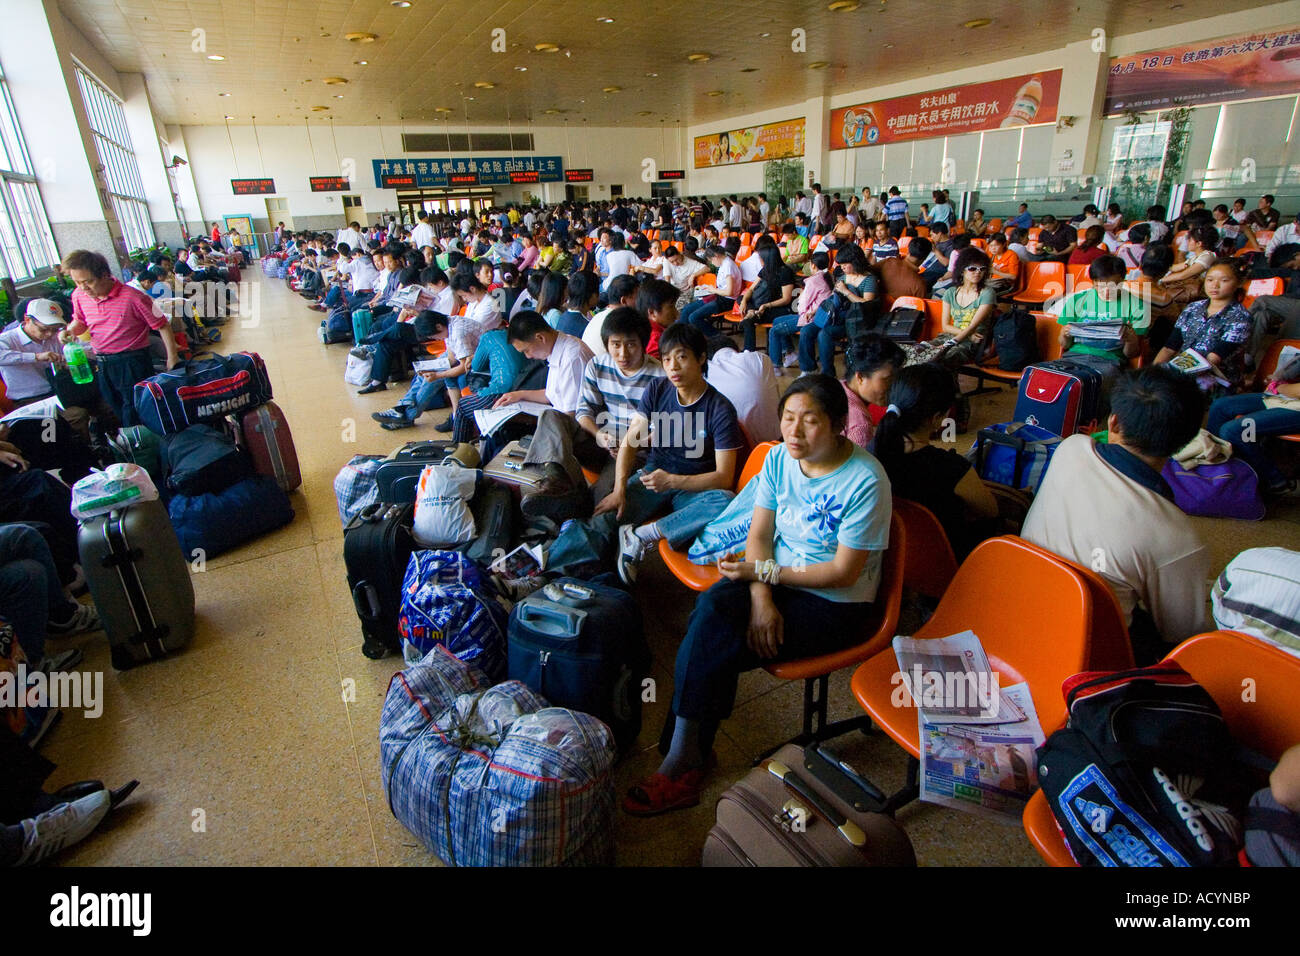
x=493 y=776
x=355 y=486
x=447 y=600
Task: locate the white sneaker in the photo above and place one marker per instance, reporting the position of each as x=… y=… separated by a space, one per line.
x=791 y=359
x=631 y=549
x=84 y=618
x=68 y=823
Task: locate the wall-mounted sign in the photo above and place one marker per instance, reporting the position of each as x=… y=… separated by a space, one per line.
x=672 y=174
x=490 y=170
x=579 y=175
x=329 y=184
x=525 y=176
x=252 y=187
x=752 y=144
x=396 y=182
x=1017 y=101
x=463 y=179
x=1241 y=67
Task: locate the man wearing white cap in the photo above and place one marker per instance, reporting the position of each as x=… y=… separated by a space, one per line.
x=27 y=349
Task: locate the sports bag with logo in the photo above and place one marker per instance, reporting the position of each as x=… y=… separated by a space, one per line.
x=1145 y=773
x=202 y=390
x=1013 y=454
x=447 y=600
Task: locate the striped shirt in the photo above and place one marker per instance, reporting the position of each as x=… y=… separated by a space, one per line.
x=119 y=322
x=896 y=208
x=607 y=390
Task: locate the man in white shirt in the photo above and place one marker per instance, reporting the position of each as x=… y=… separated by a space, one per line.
x=802 y=204
x=27 y=349
x=1107 y=507
x=748 y=380
x=566 y=359
x=733 y=214
x=351 y=235
x=422 y=234
x=681 y=272
x=764 y=208
x=818 y=211
x=1290 y=233
x=622 y=291
x=871 y=207
x=619 y=261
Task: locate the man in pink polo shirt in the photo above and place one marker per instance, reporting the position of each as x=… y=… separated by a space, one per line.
x=119 y=319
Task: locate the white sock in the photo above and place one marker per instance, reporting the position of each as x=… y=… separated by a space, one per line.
x=649 y=533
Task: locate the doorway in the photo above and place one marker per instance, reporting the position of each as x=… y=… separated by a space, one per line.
x=277 y=211
x=353 y=211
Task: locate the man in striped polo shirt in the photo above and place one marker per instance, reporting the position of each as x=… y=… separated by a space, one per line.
x=896 y=212
x=119 y=319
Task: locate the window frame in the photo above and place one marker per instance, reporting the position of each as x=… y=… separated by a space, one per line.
x=27 y=248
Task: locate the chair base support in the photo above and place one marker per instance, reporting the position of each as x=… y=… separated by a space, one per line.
x=910 y=790
x=816 y=726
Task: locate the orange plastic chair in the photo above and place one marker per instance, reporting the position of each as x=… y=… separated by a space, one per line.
x=933 y=318
x=1258 y=287
x=1220 y=661
x=930 y=564
x=1077 y=274
x=1268 y=364
x=701 y=577
x=980 y=243
x=923 y=231
x=1041 y=638
x=995 y=225
x=707 y=278
x=903 y=243
x=815 y=671
x=1044 y=281
x=1035 y=232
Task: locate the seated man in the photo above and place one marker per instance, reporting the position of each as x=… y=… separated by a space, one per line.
x=1106 y=506
x=566 y=358
x=622 y=293
x=806 y=586
x=695 y=441
x=904 y=275
x=1106 y=301
x=748 y=380
x=428 y=390
x=391 y=338
x=657 y=301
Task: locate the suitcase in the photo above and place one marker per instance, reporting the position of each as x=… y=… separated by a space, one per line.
x=586 y=655
x=508 y=469
x=265 y=435
x=399 y=474
x=496 y=515
x=362 y=320
x=1062 y=396
x=377 y=546
x=799 y=809
x=232 y=268
x=140 y=581
x=138 y=446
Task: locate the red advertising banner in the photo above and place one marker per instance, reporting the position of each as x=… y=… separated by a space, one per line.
x=1240 y=67
x=1019 y=101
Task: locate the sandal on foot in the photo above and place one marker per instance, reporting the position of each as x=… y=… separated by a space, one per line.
x=659 y=794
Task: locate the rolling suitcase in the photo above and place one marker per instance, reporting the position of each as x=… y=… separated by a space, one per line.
x=1062 y=396
x=399 y=473
x=140 y=581
x=508 y=469
x=362 y=320
x=377 y=546
x=800 y=809
x=265 y=435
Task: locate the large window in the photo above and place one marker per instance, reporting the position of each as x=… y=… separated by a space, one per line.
x=26 y=244
x=121 y=171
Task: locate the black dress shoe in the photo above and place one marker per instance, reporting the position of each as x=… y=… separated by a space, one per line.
x=444 y=427
x=373 y=387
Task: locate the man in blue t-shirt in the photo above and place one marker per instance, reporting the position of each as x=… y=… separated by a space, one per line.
x=694 y=440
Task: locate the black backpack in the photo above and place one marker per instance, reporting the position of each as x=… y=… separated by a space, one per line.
x=1145 y=772
x=203 y=460
x=1015 y=334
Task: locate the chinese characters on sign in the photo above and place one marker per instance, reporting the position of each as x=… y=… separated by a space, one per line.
x=486 y=170
x=252 y=187
x=329 y=184
x=579 y=175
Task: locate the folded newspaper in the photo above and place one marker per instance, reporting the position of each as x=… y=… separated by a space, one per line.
x=439 y=364
x=1110 y=331
x=977 y=739
x=47 y=408
x=489 y=420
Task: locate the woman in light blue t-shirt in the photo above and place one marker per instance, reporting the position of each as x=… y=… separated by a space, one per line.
x=805 y=586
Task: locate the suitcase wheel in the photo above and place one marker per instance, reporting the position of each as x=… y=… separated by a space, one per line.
x=373 y=649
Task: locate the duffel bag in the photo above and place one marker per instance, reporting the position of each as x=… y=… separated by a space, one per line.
x=1014 y=454
x=1228 y=489
x=446 y=600
x=202 y=390
x=202 y=460
x=355 y=486
x=492 y=776
x=215 y=523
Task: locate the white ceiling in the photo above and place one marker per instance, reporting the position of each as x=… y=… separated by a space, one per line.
x=431 y=54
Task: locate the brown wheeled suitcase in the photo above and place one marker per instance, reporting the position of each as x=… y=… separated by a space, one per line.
x=785 y=813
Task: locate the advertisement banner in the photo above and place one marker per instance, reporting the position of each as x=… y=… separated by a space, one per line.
x=475 y=171
x=753 y=144
x=1240 y=67
x=1018 y=101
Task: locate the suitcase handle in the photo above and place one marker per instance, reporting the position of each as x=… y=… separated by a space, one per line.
x=1008 y=440
x=366 y=600
x=846 y=828
x=551 y=619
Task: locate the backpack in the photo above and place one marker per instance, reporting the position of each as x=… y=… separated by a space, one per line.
x=1145 y=773
x=1015 y=334
x=905 y=325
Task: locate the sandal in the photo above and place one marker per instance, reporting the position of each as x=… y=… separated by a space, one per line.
x=659 y=794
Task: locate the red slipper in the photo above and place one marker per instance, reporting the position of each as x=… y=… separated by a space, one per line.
x=659 y=794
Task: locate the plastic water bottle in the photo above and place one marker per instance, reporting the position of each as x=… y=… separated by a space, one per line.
x=78 y=364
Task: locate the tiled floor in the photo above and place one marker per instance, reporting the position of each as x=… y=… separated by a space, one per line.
x=248 y=753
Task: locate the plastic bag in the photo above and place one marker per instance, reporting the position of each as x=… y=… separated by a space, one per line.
x=360 y=361
x=117 y=486
x=728 y=532
x=442 y=514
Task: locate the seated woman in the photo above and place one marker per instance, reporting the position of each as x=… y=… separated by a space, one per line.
x=968 y=307
x=1217 y=328
x=942 y=480
x=870 y=363
x=1183 y=281
x=550 y=298
x=924 y=218
x=830 y=323
x=1275 y=412
x=583 y=292
x=813 y=558
x=815 y=290
x=1092 y=248
x=768 y=299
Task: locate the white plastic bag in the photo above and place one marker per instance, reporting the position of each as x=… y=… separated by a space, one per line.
x=360 y=362
x=118 y=486
x=442 y=515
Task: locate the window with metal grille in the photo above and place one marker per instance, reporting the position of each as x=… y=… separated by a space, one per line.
x=26 y=243
x=116 y=155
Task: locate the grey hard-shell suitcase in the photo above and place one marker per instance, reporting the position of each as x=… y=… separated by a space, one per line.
x=140 y=582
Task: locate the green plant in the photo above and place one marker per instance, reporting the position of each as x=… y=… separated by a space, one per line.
x=141 y=256
x=1180 y=138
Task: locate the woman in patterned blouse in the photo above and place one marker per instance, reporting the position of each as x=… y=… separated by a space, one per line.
x=1218 y=328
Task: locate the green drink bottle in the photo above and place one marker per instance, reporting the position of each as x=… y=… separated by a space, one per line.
x=74 y=353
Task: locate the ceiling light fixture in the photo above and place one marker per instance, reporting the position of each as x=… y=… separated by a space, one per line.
x=977 y=23
x=642 y=112
x=402 y=3
x=652 y=75
x=223 y=94
x=319 y=109
x=764 y=36
x=360 y=63
x=229 y=117
x=546 y=47
x=521 y=69
x=361 y=37
x=551 y=111
x=714 y=93
x=699 y=57
x=889 y=46
x=749 y=69
x=215 y=56
x=843 y=6
x=338 y=96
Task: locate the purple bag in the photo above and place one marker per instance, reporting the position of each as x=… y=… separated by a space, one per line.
x=1226 y=490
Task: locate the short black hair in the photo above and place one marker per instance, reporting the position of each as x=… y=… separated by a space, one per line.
x=527 y=325
x=1283 y=253
x=920 y=247
x=620 y=286
x=428 y=322
x=826 y=392
x=654 y=294
x=870 y=352
x=1107 y=269
x=624 y=320
x=582 y=286
x=1158 y=409
x=684 y=335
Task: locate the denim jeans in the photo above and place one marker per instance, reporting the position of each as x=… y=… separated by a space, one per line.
x=750 y=327
x=699 y=312
x=29 y=587
x=820 y=341
x=784 y=328
x=1223 y=421
x=388 y=342
x=689 y=512
x=422 y=396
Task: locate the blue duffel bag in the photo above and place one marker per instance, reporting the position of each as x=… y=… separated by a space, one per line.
x=201 y=391
x=1015 y=454
x=215 y=523
x=447 y=600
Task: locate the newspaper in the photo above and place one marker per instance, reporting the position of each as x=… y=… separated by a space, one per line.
x=1193 y=362
x=47 y=408
x=439 y=364
x=950 y=679
x=489 y=420
x=1106 y=331
x=415 y=297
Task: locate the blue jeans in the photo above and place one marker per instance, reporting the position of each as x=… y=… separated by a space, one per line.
x=783 y=329
x=689 y=512
x=29 y=587
x=817 y=340
x=1223 y=421
x=333 y=297
x=750 y=328
x=699 y=312
x=422 y=396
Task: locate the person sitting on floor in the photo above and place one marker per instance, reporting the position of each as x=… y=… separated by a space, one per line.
x=941 y=479
x=870 y=363
x=694 y=441
x=806 y=586
x=1106 y=506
